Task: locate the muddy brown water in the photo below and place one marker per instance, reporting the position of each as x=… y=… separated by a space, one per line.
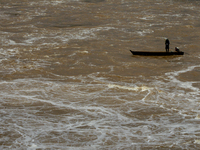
x=69 y=81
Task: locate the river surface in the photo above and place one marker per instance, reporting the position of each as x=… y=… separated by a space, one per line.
x=69 y=81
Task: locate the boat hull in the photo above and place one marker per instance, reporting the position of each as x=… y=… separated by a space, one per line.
x=143 y=53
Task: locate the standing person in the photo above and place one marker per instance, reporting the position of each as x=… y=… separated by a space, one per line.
x=167 y=45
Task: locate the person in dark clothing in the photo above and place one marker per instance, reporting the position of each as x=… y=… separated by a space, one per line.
x=167 y=45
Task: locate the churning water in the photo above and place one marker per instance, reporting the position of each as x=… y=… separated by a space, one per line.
x=69 y=81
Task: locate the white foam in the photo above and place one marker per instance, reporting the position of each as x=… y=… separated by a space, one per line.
x=187 y=84
x=93 y=118
x=144 y=32
x=33 y=39
x=74 y=34
x=197 y=141
x=33 y=147
x=176 y=73
x=197 y=117
x=84 y=52
x=148 y=17
x=142 y=88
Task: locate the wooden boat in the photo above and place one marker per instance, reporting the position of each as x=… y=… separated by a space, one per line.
x=144 y=53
